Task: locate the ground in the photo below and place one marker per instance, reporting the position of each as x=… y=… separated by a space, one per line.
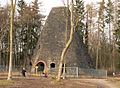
x=45 y=83
x=103 y=83
x=49 y=82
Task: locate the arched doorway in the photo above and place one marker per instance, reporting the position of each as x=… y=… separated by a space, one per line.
x=52 y=65
x=41 y=66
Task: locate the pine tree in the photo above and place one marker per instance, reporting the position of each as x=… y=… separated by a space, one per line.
x=30 y=22
x=109 y=17
x=100 y=27
x=117 y=31
x=109 y=21
x=21 y=4
x=79 y=10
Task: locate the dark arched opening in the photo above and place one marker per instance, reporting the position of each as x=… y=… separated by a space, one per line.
x=52 y=65
x=41 y=66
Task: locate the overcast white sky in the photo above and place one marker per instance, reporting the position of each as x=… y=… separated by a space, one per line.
x=48 y=4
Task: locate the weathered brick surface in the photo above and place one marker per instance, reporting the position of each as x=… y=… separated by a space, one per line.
x=52 y=41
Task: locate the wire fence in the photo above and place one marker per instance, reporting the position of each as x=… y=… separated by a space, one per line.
x=77 y=72
x=69 y=71
x=93 y=72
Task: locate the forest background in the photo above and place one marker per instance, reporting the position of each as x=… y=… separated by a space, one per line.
x=99 y=27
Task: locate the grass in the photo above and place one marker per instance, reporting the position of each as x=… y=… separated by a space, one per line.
x=55 y=82
x=6 y=82
x=115 y=81
x=5 y=73
x=53 y=76
x=19 y=74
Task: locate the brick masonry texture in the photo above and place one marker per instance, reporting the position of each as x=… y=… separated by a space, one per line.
x=52 y=41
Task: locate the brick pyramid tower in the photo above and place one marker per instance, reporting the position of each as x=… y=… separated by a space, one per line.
x=52 y=40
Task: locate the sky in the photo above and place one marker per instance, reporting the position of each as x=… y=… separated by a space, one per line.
x=48 y=4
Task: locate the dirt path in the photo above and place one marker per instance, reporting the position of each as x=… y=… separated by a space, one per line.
x=41 y=82
x=102 y=83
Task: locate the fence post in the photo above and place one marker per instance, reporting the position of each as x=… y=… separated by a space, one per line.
x=106 y=73
x=77 y=72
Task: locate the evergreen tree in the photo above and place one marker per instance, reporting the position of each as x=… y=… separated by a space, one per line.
x=21 y=4
x=4 y=30
x=100 y=27
x=79 y=10
x=109 y=20
x=117 y=31
x=109 y=17
x=30 y=22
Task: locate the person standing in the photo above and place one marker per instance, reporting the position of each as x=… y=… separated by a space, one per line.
x=23 y=72
x=45 y=72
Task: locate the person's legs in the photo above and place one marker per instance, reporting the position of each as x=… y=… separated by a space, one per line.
x=23 y=74
x=45 y=75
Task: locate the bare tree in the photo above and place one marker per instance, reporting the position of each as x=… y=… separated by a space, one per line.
x=99 y=27
x=11 y=42
x=67 y=44
x=66 y=13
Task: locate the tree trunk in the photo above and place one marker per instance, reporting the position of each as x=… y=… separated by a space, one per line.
x=11 y=41
x=86 y=33
x=98 y=45
x=66 y=16
x=67 y=44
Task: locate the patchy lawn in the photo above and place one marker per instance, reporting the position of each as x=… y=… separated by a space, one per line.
x=6 y=82
x=115 y=80
x=41 y=82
